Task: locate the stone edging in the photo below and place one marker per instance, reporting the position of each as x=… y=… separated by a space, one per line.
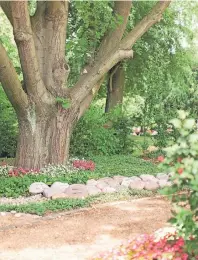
x=103 y=185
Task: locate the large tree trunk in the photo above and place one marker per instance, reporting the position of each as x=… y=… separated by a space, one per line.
x=115 y=87
x=44 y=139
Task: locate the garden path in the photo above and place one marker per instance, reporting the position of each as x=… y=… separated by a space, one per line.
x=82 y=233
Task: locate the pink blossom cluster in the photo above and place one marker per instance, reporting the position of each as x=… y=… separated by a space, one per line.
x=84 y=165
x=16 y=172
x=146 y=247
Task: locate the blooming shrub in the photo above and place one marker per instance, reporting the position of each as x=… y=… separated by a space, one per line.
x=147 y=247
x=84 y=165
x=182 y=161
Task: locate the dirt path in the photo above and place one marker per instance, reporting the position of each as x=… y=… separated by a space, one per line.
x=82 y=234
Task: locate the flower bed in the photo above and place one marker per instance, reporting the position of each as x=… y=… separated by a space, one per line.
x=147 y=247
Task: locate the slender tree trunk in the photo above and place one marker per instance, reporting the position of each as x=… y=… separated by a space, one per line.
x=115 y=87
x=44 y=139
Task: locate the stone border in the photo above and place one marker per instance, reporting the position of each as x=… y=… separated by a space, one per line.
x=42 y=192
x=103 y=185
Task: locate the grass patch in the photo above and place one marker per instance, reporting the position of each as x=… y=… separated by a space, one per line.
x=106 y=166
x=41 y=208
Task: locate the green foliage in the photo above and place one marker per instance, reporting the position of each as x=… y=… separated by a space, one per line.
x=183 y=156
x=101 y=134
x=8 y=127
x=41 y=208
x=105 y=167
x=88 y=22
x=65 y=103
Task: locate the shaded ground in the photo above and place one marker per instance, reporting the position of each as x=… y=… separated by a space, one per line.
x=80 y=234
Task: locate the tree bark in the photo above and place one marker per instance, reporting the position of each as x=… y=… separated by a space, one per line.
x=44 y=139
x=115 y=87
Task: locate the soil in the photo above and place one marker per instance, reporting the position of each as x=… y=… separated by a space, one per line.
x=80 y=234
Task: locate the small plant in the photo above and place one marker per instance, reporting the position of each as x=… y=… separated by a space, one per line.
x=84 y=165
x=182 y=160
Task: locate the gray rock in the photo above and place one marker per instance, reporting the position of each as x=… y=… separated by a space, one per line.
x=101 y=184
x=137 y=185
x=113 y=183
x=60 y=185
x=37 y=187
x=151 y=185
x=105 y=179
x=135 y=178
x=148 y=177
x=91 y=182
x=77 y=191
x=49 y=192
x=93 y=190
x=126 y=181
x=108 y=190
x=162 y=176
x=162 y=183
x=13 y=211
x=118 y=178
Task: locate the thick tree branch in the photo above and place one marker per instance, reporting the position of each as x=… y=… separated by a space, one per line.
x=27 y=53
x=113 y=37
x=86 y=83
x=11 y=83
x=49 y=28
x=5 y=5
x=145 y=24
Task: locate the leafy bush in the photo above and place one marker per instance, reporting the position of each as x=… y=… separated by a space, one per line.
x=148 y=247
x=182 y=160
x=8 y=127
x=97 y=133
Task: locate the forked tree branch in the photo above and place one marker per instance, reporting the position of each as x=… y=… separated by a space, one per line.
x=79 y=92
x=10 y=82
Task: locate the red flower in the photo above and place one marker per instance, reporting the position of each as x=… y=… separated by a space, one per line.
x=180 y=170
x=160 y=158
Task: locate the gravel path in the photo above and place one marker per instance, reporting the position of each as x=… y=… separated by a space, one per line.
x=80 y=234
